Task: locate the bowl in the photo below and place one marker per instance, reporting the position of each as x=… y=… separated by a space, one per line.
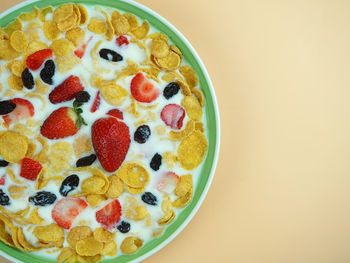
x=212 y=118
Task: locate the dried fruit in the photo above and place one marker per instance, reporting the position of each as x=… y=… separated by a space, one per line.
x=142 y=134
x=82 y=96
x=156 y=162
x=30 y=169
x=149 y=198
x=3 y=163
x=70 y=183
x=110 y=55
x=171 y=90
x=4 y=198
x=27 y=79
x=86 y=161
x=124 y=227
x=6 y=107
x=48 y=72
x=43 y=198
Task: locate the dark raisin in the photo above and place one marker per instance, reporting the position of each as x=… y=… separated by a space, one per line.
x=149 y=198
x=171 y=89
x=3 y=163
x=69 y=184
x=27 y=79
x=142 y=134
x=4 y=198
x=156 y=162
x=82 y=96
x=124 y=227
x=86 y=161
x=6 y=107
x=110 y=55
x=48 y=72
x=43 y=198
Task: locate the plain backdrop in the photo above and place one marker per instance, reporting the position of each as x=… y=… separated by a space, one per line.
x=281 y=74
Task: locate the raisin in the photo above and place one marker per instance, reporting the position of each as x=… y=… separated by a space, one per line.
x=156 y=162
x=4 y=198
x=43 y=198
x=170 y=90
x=82 y=96
x=3 y=163
x=48 y=72
x=27 y=79
x=142 y=134
x=69 y=184
x=86 y=161
x=6 y=107
x=149 y=198
x=124 y=227
x=110 y=55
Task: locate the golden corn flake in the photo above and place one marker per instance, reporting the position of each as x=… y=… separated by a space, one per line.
x=43 y=12
x=76 y=36
x=67 y=255
x=21 y=241
x=178 y=136
x=16 y=67
x=62 y=47
x=189 y=75
x=133 y=210
x=97 y=26
x=120 y=24
x=109 y=249
x=31 y=149
x=192 y=107
x=13 y=146
x=170 y=62
x=15 y=82
x=182 y=201
x=49 y=234
x=133 y=21
x=16 y=191
x=89 y=259
x=133 y=175
x=62 y=13
x=18 y=40
x=82 y=144
x=110 y=29
x=67 y=63
x=103 y=235
x=168 y=77
x=83 y=15
x=167 y=218
x=96 y=184
x=89 y=247
x=176 y=50
x=60 y=155
x=7 y=52
x=78 y=233
x=116 y=187
x=131 y=244
x=35 y=218
x=51 y=30
x=159 y=48
x=184 y=186
x=192 y=150
x=199 y=96
x=169 y=159
x=76 y=10
x=33 y=47
x=69 y=23
x=133 y=190
x=13 y=176
x=114 y=94
x=94 y=199
x=30 y=15
x=15 y=25
x=158 y=232
x=141 y=31
x=4 y=235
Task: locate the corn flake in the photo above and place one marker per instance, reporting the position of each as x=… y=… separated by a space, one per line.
x=51 y=30
x=89 y=247
x=4 y=235
x=169 y=159
x=141 y=31
x=115 y=187
x=67 y=255
x=103 y=235
x=67 y=63
x=109 y=249
x=78 y=233
x=15 y=82
x=133 y=21
x=199 y=96
x=184 y=186
x=94 y=199
x=76 y=36
x=120 y=24
x=18 y=41
x=13 y=146
x=192 y=107
x=30 y=15
x=49 y=234
x=62 y=13
x=170 y=62
x=16 y=191
x=43 y=12
x=159 y=48
x=134 y=175
x=83 y=15
x=7 y=52
x=114 y=94
x=131 y=244
x=133 y=190
x=12 y=27
x=82 y=144
x=60 y=155
x=16 y=67
x=97 y=26
x=178 y=136
x=182 y=201
x=96 y=184
x=62 y=47
x=35 y=218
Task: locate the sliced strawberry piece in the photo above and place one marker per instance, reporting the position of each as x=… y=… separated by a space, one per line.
x=24 y=110
x=62 y=123
x=116 y=113
x=66 y=210
x=30 y=169
x=35 y=60
x=109 y=215
x=122 y=40
x=168 y=182
x=111 y=141
x=3 y=180
x=96 y=103
x=79 y=52
x=142 y=89
x=66 y=90
x=173 y=116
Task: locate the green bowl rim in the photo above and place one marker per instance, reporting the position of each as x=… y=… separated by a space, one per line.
x=212 y=113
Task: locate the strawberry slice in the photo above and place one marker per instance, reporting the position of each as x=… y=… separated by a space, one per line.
x=109 y=215
x=96 y=103
x=168 y=182
x=24 y=110
x=3 y=180
x=116 y=113
x=30 y=169
x=122 y=40
x=173 y=116
x=35 y=60
x=62 y=123
x=66 y=90
x=142 y=89
x=66 y=210
x=79 y=52
x=111 y=141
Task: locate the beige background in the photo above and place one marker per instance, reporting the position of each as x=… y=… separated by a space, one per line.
x=281 y=74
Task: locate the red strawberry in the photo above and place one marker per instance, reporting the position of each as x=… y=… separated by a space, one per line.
x=66 y=90
x=116 y=113
x=30 y=169
x=143 y=89
x=62 y=123
x=24 y=109
x=111 y=141
x=96 y=103
x=35 y=60
x=3 y=180
x=66 y=210
x=122 y=40
x=173 y=116
x=81 y=50
x=109 y=215
x=168 y=182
